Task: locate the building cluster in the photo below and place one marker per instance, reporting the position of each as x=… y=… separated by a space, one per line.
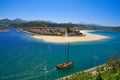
x=74 y=31
x=56 y=31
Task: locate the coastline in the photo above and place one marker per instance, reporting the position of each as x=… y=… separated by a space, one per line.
x=93 y=69
x=72 y=39
x=27 y=32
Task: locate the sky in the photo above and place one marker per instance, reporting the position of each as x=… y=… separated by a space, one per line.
x=101 y=12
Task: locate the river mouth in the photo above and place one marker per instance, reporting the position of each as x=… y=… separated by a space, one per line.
x=23 y=57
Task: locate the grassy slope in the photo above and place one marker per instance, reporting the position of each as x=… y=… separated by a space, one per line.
x=110 y=71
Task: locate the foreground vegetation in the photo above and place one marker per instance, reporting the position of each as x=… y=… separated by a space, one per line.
x=109 y=71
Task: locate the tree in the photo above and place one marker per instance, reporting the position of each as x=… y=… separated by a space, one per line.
x=99 y=77
x=68 y=29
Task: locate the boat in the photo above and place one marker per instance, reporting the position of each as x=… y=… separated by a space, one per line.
x=68 y=64
x=64 y=66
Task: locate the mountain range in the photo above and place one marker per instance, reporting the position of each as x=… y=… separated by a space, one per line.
x=19 y=23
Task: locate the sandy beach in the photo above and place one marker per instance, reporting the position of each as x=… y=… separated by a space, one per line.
x=72 y=39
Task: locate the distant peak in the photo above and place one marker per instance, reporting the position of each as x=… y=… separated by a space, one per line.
x=18 y=19
x=5 y=19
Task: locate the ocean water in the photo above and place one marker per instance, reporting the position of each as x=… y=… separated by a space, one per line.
x=24 y=58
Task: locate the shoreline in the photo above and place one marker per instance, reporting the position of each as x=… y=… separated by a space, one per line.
x=27 y=32
x=62 y=39
x=87 y=70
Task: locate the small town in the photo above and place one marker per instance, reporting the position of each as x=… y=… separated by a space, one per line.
x=56 y=31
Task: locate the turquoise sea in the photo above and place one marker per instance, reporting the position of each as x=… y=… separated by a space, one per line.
x=24 y=58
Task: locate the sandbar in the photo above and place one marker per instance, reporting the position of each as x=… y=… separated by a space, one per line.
x=71 y=39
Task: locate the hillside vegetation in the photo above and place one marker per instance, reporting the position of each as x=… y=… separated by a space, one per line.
x=19 y=23
x=109 y=71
